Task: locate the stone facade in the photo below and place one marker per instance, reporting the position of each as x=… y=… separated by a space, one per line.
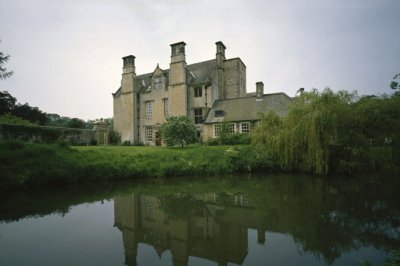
x=143 y=102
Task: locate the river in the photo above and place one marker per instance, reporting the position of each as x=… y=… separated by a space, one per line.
x=235 y=220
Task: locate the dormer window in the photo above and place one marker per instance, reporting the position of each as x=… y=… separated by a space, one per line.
x=219 y=113
x=198 y=92
x=158 y=82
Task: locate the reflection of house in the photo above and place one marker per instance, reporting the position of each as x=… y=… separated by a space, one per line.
x=216 y=228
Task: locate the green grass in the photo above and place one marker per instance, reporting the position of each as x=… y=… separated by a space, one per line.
x=24 y=165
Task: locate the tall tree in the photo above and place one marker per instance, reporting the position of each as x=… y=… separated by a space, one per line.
x=3 y=71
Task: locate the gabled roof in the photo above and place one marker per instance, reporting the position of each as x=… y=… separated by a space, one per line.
x=248 y=108
x=199 y=73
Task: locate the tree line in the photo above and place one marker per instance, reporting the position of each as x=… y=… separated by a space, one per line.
x=17 y=113
x=334 y=132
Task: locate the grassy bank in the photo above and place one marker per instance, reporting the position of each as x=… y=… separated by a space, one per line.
x=29 y=165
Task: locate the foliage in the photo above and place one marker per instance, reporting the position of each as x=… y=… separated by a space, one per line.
x=29 y=165
x=76 y=123
x=333 y=132
x=114 y=137
x=7 y=102
x=33 y=114
x=4 y=73
x=8 y=105
x=395 y=84
x=47 y=135
x=15 y=120
x=227 y=138
x=178 y=130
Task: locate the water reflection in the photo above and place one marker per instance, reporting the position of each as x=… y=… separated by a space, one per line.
x=325 y=220
x=274 y=220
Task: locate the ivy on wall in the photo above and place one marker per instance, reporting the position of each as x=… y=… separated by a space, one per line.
x=41 y=134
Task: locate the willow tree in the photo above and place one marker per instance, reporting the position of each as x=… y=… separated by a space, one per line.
x=303 y=139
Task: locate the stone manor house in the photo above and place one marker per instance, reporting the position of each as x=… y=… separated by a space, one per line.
x=209 y=92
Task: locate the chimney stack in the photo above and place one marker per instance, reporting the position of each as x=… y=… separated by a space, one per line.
x=259 y=89
x=129 y=64
x=178 y=52
x=220 y=55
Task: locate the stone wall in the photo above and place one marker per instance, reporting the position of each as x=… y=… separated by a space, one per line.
x=41 y=134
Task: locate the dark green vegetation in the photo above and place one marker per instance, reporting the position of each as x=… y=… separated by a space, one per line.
x=327 y=132
x=9 y=108
x=178 y=130
x=227 y=138
x=23 y=122
x=28 y=165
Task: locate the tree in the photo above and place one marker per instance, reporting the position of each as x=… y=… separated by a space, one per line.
x=33 y=114
x=178 y=130
x=303 y=140
x=3 y=71
x=395 y=84
x=76 y=123
x=7 y=102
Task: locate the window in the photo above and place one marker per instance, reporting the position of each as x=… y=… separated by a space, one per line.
x=232 y=199
x=198 y=92
x=149 y=134
x=231 y=128
x=217 y=130
x=219 y=113
x=244 y=200
x=217 y=198
x=149 y=110
x=158 y=83
x=150 y=212
x=165 y=107
x=198 y=116
x=245 y=127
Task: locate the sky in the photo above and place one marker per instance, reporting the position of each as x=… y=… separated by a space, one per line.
x=66 y=55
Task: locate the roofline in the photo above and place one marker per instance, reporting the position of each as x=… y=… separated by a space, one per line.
x=231 y=121
x=167 y=70
x=245 y=97
x=181 y=42
x=235 y=58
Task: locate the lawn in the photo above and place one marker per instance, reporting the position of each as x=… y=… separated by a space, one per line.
x=24 y=165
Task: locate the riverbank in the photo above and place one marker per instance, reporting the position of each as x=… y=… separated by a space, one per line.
x=26 y=165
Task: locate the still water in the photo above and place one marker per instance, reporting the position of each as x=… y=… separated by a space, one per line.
x=241 y=220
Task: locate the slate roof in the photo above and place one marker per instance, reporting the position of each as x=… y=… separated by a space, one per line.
x=203 y=72
x=248 y=108
x=198 y=73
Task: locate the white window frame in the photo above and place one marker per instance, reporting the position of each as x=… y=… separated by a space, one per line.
x=232 y=128
x=149 y=110
x=244 y=130
x=216 y=130
x=148 y=133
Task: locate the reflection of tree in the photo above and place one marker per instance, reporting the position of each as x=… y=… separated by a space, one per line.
x=329 y=219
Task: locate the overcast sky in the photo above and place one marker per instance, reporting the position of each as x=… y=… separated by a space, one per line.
x=66 y=55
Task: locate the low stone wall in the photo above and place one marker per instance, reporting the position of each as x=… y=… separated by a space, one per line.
x=43 y=134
